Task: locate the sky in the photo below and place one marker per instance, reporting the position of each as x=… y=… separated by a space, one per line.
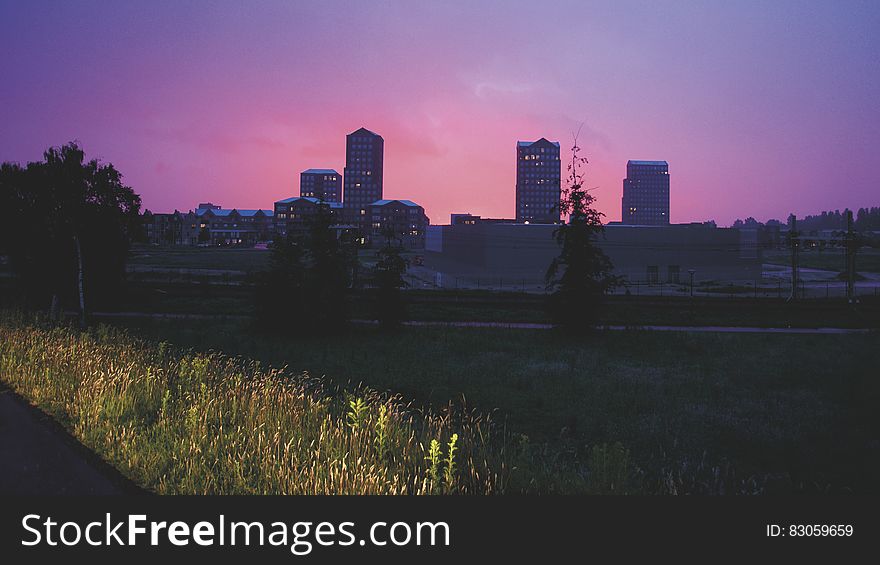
x=761 y=108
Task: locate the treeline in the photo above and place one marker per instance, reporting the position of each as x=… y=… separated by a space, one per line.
x=66 y=230
x=865 y=219
x=69 y=223
x=311 y=274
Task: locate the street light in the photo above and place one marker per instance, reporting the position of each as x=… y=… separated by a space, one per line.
x=691 y=273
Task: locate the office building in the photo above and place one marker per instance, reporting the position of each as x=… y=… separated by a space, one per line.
x=362 y=185
x=646 y=194
x=538 y=176
x=323 y=184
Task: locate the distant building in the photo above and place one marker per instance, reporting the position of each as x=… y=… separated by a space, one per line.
x=404 y=219
x=538 y=177
x=169 y=229
x=292 y=215
x=216 y=226
x=470 y=219
x=645 y=254
x=646 y=194
x=323 y=184
x=208 y=225
x=362 y=185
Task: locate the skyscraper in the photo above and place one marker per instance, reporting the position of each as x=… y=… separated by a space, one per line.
x=323 y=184
x=646 y=194
x=538 y=174
x=363 y=171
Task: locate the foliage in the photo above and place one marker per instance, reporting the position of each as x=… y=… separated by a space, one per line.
x=582 y=273
x=330 y=261
x=610 y=469
x=667 y=396
x=280 y=299
x=864 y=219
x=388 y=278
x=61 y=212
x=180 y=422
x=449 y=474
x=305 y=288
x=698 y=413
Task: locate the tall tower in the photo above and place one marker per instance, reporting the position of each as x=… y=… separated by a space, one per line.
x=646 y=194
x=538 y=174
x=362 y=185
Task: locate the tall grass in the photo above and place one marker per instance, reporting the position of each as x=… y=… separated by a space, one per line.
x=182 y=422
x=640 y=413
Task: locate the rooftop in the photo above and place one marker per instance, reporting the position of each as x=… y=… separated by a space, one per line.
x=255 y=212
x=320 y=172
x=241 y=212
x=404 y=202
x=295 y=198
x=362 y=131
x=654 y=163
x=530 y=143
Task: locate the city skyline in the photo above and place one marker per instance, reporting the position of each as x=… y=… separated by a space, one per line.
x=214 y=102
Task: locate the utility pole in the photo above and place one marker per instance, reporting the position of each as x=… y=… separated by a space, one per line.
x=794 y=242
x=851 y=246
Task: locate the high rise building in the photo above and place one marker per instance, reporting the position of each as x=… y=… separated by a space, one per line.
x=323 y=184
x=362 y=184
x=538 y=175
x=646 y=194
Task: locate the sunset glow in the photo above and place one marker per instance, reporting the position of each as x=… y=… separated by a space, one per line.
x=761 y=109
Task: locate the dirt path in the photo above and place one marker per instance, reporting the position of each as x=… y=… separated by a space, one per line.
x=516 y=325
x=38 y=456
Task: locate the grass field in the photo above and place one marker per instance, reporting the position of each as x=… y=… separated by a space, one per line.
x=696 y=412
x=221 y=258
x=203 y=423
x=511 y=307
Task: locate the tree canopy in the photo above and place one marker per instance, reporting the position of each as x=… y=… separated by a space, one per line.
x=305 y=289
x=67 y=227
x=388 y=279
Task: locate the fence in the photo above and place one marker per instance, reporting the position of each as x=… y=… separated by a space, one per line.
x=765 y=288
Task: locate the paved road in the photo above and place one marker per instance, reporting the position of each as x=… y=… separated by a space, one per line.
x=37 y=456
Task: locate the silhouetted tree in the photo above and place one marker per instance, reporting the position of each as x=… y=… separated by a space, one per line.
x=388 y=277
x=281 y=289
x=305 y=289
x=582 y=273
x=329 y=261
x=70 y=224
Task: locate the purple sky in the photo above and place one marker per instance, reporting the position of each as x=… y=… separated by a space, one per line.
x=761 y=108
